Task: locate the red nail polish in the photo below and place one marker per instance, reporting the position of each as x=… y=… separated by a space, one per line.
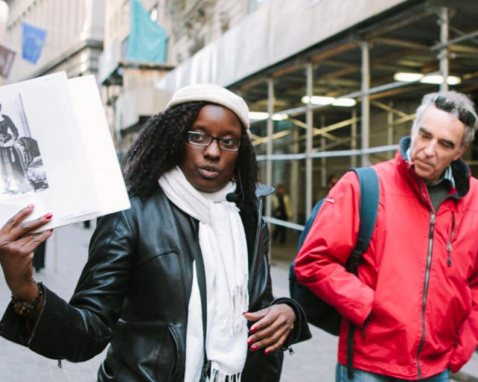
x=250 y=341
x=267 y=352
x=48 y=216
x=254 y=347
x=252 y=330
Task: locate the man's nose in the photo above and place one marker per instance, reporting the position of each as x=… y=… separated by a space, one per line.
x=430 y=148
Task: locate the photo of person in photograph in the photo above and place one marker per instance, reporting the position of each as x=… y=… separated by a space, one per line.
x=21 y=164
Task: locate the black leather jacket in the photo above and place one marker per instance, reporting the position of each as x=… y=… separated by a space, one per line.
x=134 y=292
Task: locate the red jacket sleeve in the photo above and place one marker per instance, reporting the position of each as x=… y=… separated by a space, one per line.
x=329 y=243
x=468 y=337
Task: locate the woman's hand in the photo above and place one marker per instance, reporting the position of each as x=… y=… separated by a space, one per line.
x=271 y=328
x=17 y=243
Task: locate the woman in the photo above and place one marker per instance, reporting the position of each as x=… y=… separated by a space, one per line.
x=193 y=238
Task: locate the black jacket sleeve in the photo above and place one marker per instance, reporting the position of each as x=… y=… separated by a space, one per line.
x=81 y=329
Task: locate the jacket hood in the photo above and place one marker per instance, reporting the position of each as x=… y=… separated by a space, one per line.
x=461 y=171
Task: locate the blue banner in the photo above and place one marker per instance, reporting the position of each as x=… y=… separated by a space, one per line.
x=33 y=41
x=147 y=42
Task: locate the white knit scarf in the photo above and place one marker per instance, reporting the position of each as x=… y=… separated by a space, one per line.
x=224 y=249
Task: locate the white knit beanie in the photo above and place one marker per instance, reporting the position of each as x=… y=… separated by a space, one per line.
x=214 y=94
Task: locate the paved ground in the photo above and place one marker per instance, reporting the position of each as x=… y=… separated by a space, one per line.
x=313 y=361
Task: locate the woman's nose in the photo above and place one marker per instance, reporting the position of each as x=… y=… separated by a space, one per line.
x=213 y=149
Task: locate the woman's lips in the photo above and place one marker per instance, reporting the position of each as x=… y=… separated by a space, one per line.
x=208 y=172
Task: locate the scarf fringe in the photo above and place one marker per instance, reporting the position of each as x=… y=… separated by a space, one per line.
x=240 y=304
x=219 y=376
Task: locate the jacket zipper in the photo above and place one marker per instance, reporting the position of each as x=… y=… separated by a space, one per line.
x=450 y=239
x=425 y=289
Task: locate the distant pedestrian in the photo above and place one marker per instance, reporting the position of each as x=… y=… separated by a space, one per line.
x=331 y=182
x=411 y=312
x=281 y=209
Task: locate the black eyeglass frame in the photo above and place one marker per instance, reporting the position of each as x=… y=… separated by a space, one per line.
x=220 y=140
x=464 y=116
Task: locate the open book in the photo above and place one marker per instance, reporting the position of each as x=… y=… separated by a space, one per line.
x=56 y=151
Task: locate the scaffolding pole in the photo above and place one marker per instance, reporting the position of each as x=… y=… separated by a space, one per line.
x=270 y=131
x=365 y=121
x=443 y=55
x=309 y=120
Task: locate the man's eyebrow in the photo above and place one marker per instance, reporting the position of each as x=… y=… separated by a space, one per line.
x=423 y=129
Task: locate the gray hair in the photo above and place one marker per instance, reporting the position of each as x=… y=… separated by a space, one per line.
x=458 y=104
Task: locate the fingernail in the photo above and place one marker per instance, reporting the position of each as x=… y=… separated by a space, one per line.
x=267 y=352
x=254 y=347
x=250 y=341
x=48 y=216
x=30 y=207
x=252 y=330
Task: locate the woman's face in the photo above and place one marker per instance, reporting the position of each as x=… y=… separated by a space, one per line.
x=209 y=168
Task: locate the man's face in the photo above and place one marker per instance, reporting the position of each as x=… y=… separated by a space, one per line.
x=436 y=142
x=210 y=168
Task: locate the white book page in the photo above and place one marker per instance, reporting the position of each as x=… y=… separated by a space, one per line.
x=108 y=181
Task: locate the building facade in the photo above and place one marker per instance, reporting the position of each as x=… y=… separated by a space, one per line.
x=131 y=96
x=74 y=36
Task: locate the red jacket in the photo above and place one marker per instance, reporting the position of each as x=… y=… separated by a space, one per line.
x=419 y=276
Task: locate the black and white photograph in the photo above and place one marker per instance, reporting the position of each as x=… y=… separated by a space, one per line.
x=56 y=151
x=21 y=164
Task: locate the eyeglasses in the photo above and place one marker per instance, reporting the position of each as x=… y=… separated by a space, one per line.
x=465 y=116
x=198 y=138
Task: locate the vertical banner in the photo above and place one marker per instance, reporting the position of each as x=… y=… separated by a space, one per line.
x=147 y=40
x=33 y=41
x=6 y=60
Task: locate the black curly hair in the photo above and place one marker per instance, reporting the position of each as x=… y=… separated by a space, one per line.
x=160 y=147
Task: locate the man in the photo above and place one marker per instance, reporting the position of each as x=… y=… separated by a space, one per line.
x=414 y=303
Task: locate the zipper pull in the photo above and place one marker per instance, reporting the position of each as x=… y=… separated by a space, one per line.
x=448 y=248
x=450 y=238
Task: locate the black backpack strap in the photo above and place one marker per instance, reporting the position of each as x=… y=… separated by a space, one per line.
x=369 y=195
x=369 y=198
x=201 y=279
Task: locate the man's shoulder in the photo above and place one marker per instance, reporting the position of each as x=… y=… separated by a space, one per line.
x=472 y=193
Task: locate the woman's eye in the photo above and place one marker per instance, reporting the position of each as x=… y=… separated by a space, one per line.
x=199 y=138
